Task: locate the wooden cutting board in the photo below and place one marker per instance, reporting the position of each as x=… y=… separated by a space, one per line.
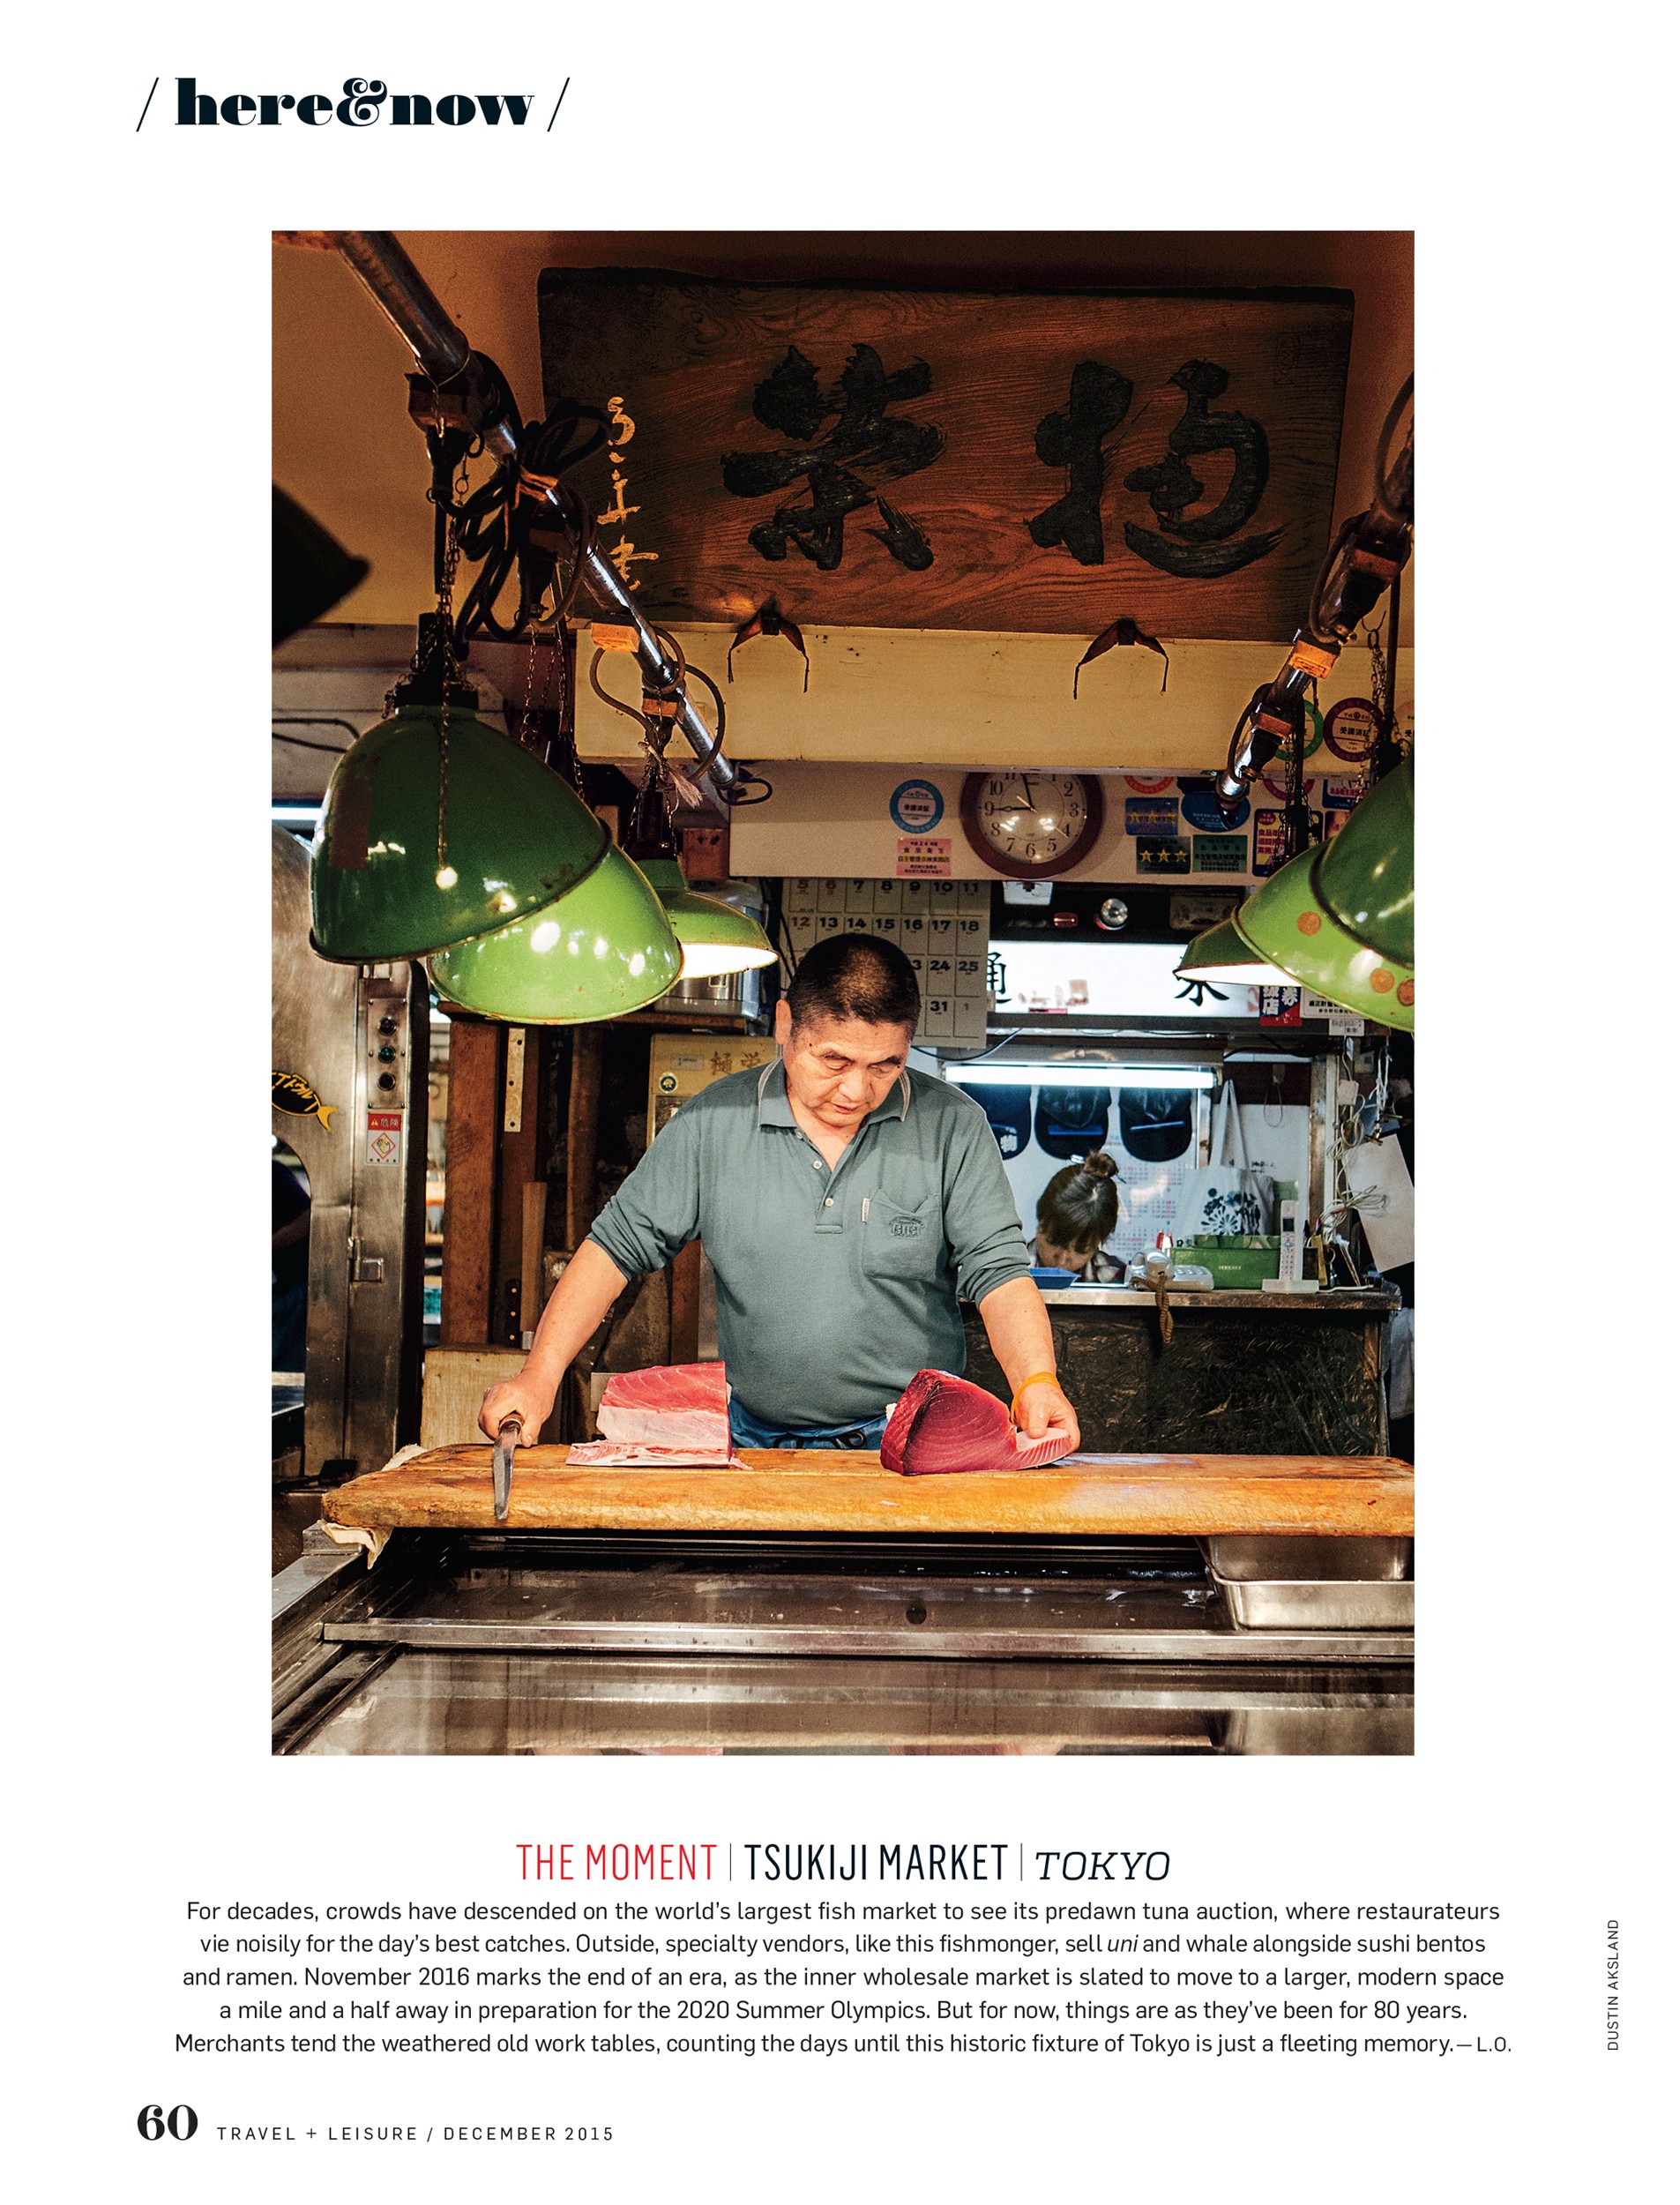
x=820 y=1489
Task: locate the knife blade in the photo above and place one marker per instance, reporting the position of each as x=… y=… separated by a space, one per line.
x=507 y=1437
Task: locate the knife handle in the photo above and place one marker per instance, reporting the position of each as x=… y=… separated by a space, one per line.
x=510 y=1432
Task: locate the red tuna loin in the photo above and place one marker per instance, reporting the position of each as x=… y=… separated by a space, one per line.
x=670 y=1405
x=942 y=1422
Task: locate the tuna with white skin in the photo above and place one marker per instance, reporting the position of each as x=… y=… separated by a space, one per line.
x=666 y=1416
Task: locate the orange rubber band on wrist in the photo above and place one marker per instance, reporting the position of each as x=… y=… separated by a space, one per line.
x=1039 y=1377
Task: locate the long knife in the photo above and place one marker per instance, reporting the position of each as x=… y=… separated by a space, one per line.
x=507 y=1437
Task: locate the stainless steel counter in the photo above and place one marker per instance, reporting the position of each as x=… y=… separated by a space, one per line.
x=532 y=1644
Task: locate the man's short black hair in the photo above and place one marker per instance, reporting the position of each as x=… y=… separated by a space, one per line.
x=855 y=977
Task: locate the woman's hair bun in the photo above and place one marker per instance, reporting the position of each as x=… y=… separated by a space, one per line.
x=1099 y=1165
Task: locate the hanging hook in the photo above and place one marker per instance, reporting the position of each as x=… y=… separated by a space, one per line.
x=1120 y=632
x=771 y=621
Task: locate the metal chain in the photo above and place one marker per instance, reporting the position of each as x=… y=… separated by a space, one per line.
x=566 y=704
x=558 y=679
x=526 y=713
x=1379 y=673
x=447 y=874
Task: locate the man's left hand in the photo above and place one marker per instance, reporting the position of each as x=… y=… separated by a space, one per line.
x=1044 y=1407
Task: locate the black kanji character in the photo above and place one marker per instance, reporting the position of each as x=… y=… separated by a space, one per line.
x=1202 y=549
x=1098 y=400
x=841 y=473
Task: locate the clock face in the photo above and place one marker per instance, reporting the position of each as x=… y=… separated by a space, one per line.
x=1030 y=823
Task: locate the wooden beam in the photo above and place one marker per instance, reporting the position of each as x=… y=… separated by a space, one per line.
x=686 y=1305
x=915 y=697
x=706 y=853
x=583 y=1126
x=534 y=1210
x=469 y=1186
x=517 y=1123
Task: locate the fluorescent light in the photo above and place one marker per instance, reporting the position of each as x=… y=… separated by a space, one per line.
x=1106 y=1074
x=294 y=814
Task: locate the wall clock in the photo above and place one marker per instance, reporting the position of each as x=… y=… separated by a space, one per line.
x=1030 y=824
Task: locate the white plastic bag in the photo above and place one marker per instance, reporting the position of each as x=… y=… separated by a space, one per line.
x=1226 y=1195
x=1381 y=1187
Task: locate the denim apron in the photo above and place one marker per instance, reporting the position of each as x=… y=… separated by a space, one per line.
x=747 y=1432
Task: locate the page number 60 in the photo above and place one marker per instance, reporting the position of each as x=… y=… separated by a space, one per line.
x=180 y=2122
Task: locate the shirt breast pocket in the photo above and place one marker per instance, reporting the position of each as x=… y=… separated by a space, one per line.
x=903 y=1239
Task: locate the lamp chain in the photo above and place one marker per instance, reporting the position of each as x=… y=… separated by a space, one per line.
x=446 y=644
x=1378 y=686
x=527 y=715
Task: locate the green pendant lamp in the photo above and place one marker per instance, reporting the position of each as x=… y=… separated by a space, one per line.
x=714 y=937
x=1338 y=918
x=603 y=950
x=1221 y=954
x=438 y=828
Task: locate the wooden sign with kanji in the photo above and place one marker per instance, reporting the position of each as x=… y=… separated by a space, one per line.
x=1022 y=461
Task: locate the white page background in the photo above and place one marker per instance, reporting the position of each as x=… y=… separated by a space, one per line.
x=138 y=1029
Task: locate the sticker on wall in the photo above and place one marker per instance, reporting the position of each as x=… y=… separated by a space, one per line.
x=1148 y=784
x=384 y=1136
x=1151 y=815
x=1350 y=729
x=1162 y=854
x=1268 y=842
x=1279 y=1006
x=1220 y=853
x=916 y=807
x=1343 y=793
x=1200 y=810
x=923 y=857
x=1268 y=838
x=1192 y=910
x=292 y=1094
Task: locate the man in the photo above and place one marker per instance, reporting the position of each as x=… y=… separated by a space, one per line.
x=842 y=1198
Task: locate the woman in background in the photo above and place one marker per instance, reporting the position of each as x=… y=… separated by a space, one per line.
x=1077 y=1213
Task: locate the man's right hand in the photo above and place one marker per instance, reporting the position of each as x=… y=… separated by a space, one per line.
x=522 y=1397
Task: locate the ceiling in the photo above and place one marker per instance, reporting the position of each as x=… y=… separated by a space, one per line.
x=344 y=445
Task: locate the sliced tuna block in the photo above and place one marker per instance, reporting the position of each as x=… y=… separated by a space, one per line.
x=669 y=1406
x=941 y=1422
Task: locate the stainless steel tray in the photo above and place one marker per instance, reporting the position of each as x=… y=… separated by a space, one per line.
x=1320 y=1603
x=1241 y=1559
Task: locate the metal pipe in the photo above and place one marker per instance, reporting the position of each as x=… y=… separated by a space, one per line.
x=605 y=588
x=441 y=348
x=437 y=343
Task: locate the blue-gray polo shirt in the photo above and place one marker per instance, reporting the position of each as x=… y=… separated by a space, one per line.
x=833 y=1289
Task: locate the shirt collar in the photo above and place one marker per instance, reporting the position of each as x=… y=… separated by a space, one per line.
x=775 y=1109
x=773 y=1106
